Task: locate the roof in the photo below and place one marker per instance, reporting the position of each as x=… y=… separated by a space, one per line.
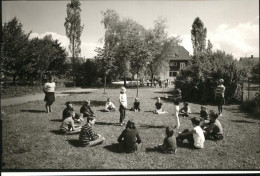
x=179 y=53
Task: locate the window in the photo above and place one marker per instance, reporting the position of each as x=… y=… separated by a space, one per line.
x=173 y=64
x=172 y=73
x=182 y=65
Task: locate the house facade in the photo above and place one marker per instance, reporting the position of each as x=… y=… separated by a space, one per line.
x=178 y=59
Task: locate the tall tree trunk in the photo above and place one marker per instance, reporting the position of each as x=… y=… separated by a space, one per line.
x=73 y=62
x=14 y=79
x=137 y=85
x=124 y=81
x=152 y=80
x=105 y=82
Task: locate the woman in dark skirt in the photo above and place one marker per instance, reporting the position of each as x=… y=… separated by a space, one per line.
x=49 y=89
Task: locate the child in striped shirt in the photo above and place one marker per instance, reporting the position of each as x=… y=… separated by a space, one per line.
x=87 y=137
x=219 y=96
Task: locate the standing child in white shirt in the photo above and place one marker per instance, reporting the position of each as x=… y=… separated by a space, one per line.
x=123 y=105
x=219 y=96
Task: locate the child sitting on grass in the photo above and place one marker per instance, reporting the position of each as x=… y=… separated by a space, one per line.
x=169 y=144
x=195 y=136
x=158 y=107
x=109 y=106
x=214 y=130
x=86 y=110
x=129 y=139
x=67 y=126
x=87 y=137
x=136 y=106
x=204 y=113
x=185 y=111
x=66 y=111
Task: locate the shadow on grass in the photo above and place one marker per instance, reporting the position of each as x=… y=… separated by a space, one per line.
x=56 y=120
x=33 y=111
x=103 y=110
x=152 y=126
x=106 y=123
x=242 y=121
x=57 y=132
x=72 y=93
x=115 y=148
x=93 y=103
x=149 y=111
x=152 y=150
x=75 y=143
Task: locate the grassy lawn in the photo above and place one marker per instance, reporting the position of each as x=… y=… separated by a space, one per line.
x=30 y=138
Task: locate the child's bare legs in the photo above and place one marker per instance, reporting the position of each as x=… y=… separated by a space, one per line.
x=97 y=141
x=176 y=113
x=47 y=107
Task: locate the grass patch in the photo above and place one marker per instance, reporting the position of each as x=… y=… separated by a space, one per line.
x=31 y=138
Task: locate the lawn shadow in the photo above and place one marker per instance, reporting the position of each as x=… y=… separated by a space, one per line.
x=33 y=111
x=103 y=110
x=245 y=114
x=57 y=132
x=72 y=93
x=242 y=121
x=106 y=123
x=152 y=126
x=148 y=111
x=152 y=150
x=75 y=142
x=93 y=103
x=56 y=120
x=115 y=148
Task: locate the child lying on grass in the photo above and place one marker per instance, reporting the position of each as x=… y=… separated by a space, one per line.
x=195 y=136
x=169 y=144
x=67 y=125
x=158 y=107
x=87 y=137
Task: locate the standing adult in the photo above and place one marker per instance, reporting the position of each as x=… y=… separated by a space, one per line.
x=123 y=105
x=49 y=89
x=220 y=96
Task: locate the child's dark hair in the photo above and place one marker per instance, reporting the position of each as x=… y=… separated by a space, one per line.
x=214 y=114
x=71 y=111
x=195 y=121
x=89 y=119
x=186 y=104
x=169 y=131
x=130 y=125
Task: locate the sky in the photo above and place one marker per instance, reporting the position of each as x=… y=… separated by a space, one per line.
x=232 y=25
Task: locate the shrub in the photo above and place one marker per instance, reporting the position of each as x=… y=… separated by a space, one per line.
x=199 y=79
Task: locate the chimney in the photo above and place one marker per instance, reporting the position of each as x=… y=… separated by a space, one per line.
x=252 y=56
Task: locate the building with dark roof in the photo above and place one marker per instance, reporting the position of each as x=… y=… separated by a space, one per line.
x=178 y=59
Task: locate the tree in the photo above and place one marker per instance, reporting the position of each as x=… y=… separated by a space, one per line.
x=14 y=45
x=209 y=47
x=104 y=62
x=73 y=30
x=46 y=55
x=159 y=46
x=198 y=36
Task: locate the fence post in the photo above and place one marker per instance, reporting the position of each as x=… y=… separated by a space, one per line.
x=248 y=91
x=242 y=93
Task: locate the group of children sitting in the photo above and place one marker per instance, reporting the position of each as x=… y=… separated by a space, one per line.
x=207 y=126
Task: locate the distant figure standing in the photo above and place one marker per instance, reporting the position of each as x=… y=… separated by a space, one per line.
x=49 y=89
x=176 y=102
x=123 y=105
x=219 y=96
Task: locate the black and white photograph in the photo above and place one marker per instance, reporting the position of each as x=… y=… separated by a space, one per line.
x=118 y=86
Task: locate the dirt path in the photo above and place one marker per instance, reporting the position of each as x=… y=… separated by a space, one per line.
x=40 y=96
